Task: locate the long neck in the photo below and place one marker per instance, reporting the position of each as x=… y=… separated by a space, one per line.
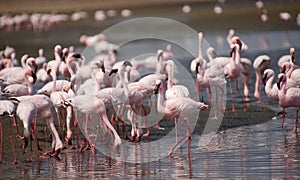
x=237 y=56
x=160 y=103
x=124 y=83
x=29 y=85
x=269 y=84
x=170 y=76
x=200 y=53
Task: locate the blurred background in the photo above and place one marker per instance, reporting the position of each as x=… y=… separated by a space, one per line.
x=33 y=24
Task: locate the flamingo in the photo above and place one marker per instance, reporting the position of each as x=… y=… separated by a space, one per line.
x=179 y=107
x=57 y=97
x=261 y=63
x=202 y=62
x=186 y=8
x=15 y=75
x=41 y=59
x=20 y=89
x=234 y=69
x=44 y=111
x=138 y=93
x=230 y=39
x=259 y=4
x=27 y=112
x=270 y=89
x=93 y=104
x=288 y=97
x=120 y=93
x=7 y=109
x=42 y=75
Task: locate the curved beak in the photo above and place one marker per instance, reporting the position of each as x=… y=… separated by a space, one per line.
x=279 y=82
x=264 y=79
x=127 y=63
x=113 y=71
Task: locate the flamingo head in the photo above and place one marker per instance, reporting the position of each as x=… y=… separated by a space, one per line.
x=267 y=74
x=159 y=54
x=31 y=62
x=236 y=40
x=281 y=79
x=285 y=67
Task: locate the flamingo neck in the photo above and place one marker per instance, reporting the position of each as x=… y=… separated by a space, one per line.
x=269 y=84
x=200 y=53
x=29 y=85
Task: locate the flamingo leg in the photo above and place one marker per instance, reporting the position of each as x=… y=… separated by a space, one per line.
x=118 y=140
x=243 y=98
x=188 y=135
x=12 y=144
x=231 y=95
x=146 y=121
x=283 y=116
x=68 y=119
x=156 y=114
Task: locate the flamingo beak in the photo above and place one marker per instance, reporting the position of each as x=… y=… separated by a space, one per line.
x=113 y=71
x=49 y=71
x=102 y=68
x=197 y=65
x=127 y=63
x=264 y=79
x=239 y=42
x=33 y=75
x=279 y=82
x=156 y=89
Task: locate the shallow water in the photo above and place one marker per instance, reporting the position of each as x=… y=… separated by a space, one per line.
x=263 y=151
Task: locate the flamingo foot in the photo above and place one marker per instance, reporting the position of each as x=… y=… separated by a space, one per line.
x=214 y=118
x=56 y=153
x=15 y=162
x=137 y=139
x=147 y=133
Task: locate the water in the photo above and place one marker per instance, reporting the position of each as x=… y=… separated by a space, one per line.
x=263 y=150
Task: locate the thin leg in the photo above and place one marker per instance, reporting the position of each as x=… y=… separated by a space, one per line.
x=231 y=95
x=243 y=98
x=12 y=144
x=283 y=116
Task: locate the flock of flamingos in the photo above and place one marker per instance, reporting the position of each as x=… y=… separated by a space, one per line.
x=116 y=91
x=111 y=88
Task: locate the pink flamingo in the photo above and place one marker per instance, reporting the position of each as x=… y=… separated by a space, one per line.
x=261 y=63
x=7 y=109
x=234 y=69
x=44 y=111
x=15 y=75
x=20 y=89
x=41 y=59
x=230 y=39
x=93 y=104
x=179 y=107
x=54 y=64
x=139 y=92
x=288 y=97
x=27 y=112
